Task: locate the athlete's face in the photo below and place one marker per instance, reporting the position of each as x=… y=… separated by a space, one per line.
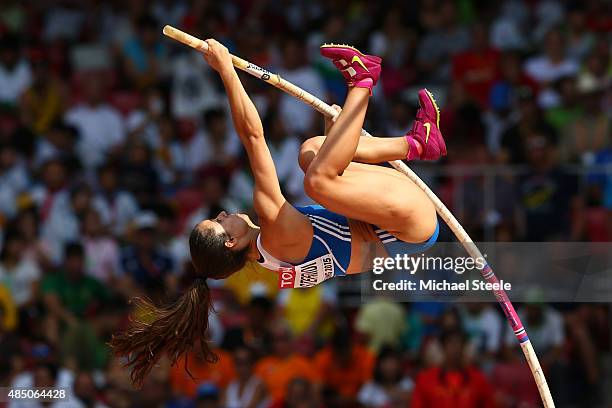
x=237 y=226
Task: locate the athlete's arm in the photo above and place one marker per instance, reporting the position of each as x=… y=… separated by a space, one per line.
x=268 y=200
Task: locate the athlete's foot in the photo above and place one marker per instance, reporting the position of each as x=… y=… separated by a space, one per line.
x=358 y=69
x=425 y=141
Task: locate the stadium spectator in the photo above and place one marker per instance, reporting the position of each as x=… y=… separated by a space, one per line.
x=101 y=251
x=247 y=390
x=389 y=386
x=169 y=155
x=453 y=384
x=588 y=131
x=74 y=302
x=14 y=179
x=597 y=69
x=436 y=48
x=26 y=225
x=139 y=176
x=15 y=72
x=298 y=117
x=285 y=147
x=170 y=11
x=484 y=326
x=143 y=260
x=511 y=380
x=220 y=374
x=10 y=360
x=382 y=321
x=580 y=39
x=400 y=112
x=553 y=64
x=144 y=54
x=308 y=311
x=193 y=87
x=581 y=364
x=70 y=294
x=548 y=194
x=141 y=122
x=216 y=143
x=86 y=392
x=396 y=44
x=117 y=206
x=63 y=22
x=254 y=333
x=59 y=142
x=300 y=394
x=563 y=111
x=507 y=32
x=284 y=365
x=476 y=68
x=344 y=367
x=18 y=273
x=44 y=101
x=62 y=224
x=100 y=126
x=529 y=118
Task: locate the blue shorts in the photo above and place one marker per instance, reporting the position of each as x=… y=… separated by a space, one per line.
x=332 y=235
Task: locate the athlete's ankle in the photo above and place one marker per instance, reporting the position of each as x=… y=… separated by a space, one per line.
x=419 y=147
x=415 y=148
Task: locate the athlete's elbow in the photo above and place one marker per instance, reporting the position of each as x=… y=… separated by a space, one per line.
x=250 y=131
x=251 y=134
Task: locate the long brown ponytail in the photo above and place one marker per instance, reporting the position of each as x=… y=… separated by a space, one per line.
x=174 y=330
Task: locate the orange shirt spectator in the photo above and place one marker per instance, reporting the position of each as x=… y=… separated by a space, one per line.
x=277 y=373
x=345 y=377
x=221 y=373
x=464 y=388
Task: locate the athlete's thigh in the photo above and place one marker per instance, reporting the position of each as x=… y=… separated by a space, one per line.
x=383 y=197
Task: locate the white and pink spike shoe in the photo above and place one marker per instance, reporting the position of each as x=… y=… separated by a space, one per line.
x=358 y=69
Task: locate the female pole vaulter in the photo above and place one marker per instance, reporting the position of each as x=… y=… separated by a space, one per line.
x=359 y=203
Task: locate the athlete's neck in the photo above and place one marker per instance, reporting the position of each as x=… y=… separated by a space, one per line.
x=253 y=234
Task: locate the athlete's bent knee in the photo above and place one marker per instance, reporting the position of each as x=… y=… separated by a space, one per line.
x=309 y=150
x=316 y=184
x=424 y=226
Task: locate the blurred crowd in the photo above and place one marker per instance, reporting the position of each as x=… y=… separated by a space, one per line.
x=115 y=142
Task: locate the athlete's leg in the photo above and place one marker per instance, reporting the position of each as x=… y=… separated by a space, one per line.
x=340 y=145
x=370 y=150
x=377 y=195
x=372 y=194
x=423 y=142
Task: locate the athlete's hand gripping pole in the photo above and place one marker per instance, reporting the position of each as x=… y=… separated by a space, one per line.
x=443 y=212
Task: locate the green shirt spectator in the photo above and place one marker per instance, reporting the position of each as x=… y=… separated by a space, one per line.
x=81 y=296
x=70 y=293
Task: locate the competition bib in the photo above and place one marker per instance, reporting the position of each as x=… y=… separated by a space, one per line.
x=306 y=275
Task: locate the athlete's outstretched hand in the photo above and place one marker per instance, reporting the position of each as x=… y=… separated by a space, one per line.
x=217 y=56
